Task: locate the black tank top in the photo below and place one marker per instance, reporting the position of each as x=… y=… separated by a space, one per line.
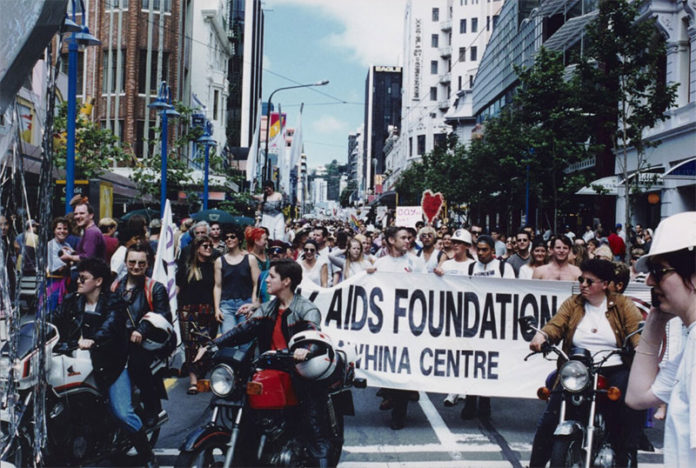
x=236 y=280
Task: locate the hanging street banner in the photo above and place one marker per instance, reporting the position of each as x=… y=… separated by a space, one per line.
x=450 y=334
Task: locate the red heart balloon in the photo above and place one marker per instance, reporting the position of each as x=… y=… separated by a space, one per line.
x=431 y=204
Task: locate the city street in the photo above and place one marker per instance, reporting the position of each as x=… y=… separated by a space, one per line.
x=434 y=436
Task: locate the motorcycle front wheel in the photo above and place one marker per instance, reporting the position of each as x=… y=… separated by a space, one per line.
x=336 y=443
x=210 y=453
x=567 y=452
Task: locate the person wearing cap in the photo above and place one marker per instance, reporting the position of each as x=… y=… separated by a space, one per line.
x=671 y=264
x=457 y=265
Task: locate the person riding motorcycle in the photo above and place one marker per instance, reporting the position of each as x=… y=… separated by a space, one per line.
x=273 y=324
x=148 y=327
x=94 y=319
x=595 y=319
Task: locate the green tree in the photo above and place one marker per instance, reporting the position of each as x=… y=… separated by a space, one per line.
x=97 y=149
x=411 y=184
x=622 y=73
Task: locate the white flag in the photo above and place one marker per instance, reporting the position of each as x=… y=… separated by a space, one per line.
x=165 y=272
x=252 y=158
x=296 y=148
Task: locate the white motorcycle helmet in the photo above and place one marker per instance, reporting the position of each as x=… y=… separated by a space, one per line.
x=160 y=332
x=323 y=361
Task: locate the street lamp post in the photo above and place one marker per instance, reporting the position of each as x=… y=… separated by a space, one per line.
x=80 y=36
x=208 y=140
x=163 y=104
x=266 y=175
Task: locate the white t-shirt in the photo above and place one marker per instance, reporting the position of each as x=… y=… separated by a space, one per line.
x=676 y=385
x=432 y=262
x=594 y=333
x=453 y=267
x=526 y=272
x=118 y=262
x=314 y=273
x=492 y=269
x=405 y=263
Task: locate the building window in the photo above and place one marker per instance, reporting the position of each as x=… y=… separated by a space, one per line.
x=434 y=40
x=459 y=82
x=152 y=138
x=216 y=100
x=433 y=93
x=436 y=14
x=421 y=145
x=433 y=67
x=116 y=5
x=495 y=21
x=474 y=25
x=440 y=140
x=472 y=53
x=80 y=68
x=462 y=26
x=471 y=81
x=156 y=5
x=488 y=23
x=410 y=146
x=462 y=54
x=154 y=84
x=114 y=78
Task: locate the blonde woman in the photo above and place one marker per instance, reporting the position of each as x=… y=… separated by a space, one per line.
x=352 y=260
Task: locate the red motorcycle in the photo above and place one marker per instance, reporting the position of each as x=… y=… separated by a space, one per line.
x=256 y=415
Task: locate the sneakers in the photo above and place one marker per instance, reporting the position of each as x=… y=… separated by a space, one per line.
x=452 y=399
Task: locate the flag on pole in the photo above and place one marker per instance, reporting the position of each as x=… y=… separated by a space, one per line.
x=252 y=158
x=276 y=138
x=296 y=148
x=165 y=273
x=354 y=223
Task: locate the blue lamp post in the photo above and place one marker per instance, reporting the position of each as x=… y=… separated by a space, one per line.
x=80 y=36
x=162 y=103
x=207 y=140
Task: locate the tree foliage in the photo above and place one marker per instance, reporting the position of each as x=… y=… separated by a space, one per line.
x=97 y=149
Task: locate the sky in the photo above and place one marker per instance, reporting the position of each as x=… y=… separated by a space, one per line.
x=307 y=41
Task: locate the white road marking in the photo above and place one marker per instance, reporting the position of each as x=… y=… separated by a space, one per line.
x=424 y=448
x=451 y=464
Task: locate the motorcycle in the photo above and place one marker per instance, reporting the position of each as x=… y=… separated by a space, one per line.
x=79 y=426
x=581 y=437
x=256 y=418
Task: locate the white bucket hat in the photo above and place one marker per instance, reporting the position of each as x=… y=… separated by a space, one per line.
x=674 y=233
x=462 y=235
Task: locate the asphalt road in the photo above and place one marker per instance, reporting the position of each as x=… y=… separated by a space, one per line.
x=434 y=436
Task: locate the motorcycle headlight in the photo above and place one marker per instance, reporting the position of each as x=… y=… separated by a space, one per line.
x=574 y=376
x=222 y=380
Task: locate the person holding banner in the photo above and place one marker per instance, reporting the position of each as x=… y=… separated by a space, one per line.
x=398 y=260
x=671 y=264
x=559 y=268
x=596 y=319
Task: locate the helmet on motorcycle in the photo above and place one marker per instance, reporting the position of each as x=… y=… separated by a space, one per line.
x=160 y=331
x=322 y=357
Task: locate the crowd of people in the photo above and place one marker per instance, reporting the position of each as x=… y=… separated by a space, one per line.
x=222 y=274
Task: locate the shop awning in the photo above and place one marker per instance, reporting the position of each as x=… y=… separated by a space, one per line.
x=683 y=169
x=569 y=33
x=603 y=186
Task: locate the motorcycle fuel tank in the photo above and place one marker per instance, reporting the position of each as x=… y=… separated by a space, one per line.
x=276 y=392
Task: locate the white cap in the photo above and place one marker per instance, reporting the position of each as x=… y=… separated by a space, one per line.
x=462 y=235
x=674 y=233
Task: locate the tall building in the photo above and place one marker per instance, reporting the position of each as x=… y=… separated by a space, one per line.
x=245 y=70
x=444 y=41
x=524 y=25
x=382 y=109
x=356 y=176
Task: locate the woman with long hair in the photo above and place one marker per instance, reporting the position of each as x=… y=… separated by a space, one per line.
x=352 y=260
x=236 y=280
x=312 y=268
x=256 y=245
x=271 y=208
x=196 y=311
x=539 y=257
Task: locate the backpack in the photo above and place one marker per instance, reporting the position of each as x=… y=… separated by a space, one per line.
x=149 y=286
x=501 y=267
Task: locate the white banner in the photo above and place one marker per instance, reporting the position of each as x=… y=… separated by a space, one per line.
x=450 y=334
x=408 y=216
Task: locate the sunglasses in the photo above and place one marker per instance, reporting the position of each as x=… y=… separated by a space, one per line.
x=582 y=280
x=139 y=263
x=207 y=246
x=310 y=250
x=276 y=250
x=476 y=232
x=83 y=279
x=659 y=273
x=230 y=236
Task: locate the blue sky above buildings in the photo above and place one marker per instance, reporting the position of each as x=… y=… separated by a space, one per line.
x=312 y=40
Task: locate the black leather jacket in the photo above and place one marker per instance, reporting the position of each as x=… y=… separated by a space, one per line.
x=106 y=325
x=137 y=305
x=301 y=315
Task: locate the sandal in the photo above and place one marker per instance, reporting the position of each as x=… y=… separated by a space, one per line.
x=192 y=390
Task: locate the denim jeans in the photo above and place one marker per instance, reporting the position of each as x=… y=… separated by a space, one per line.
x=230 y=319
x=121 y=404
